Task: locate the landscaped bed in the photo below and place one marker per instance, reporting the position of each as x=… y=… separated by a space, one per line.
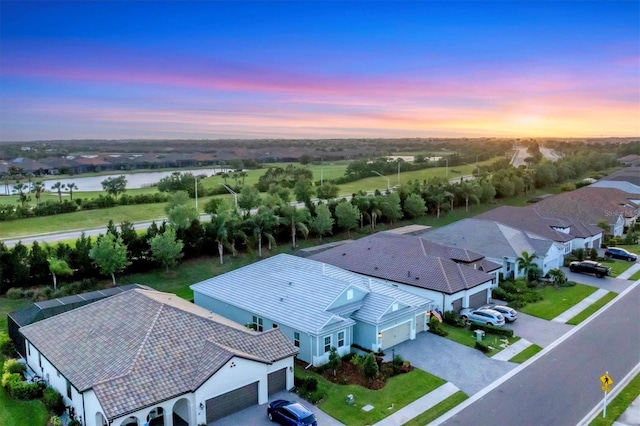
x=465 y=336
x=397 y=392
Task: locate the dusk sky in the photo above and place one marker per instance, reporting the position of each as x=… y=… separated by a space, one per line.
x=211 y=70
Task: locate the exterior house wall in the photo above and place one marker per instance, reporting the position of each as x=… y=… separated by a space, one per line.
x=362 y=335
x=587 y=242
x=343 y=299
x=554 y=258
x=167 y=407
x=444 y=302
x=617 y=229
x=320 y=356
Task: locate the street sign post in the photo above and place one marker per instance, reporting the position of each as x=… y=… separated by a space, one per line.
x=606 y=381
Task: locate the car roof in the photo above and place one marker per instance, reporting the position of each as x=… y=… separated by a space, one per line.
x=299 y=410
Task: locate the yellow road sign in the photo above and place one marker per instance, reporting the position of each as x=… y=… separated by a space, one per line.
x=606 y=388
x=606 y=380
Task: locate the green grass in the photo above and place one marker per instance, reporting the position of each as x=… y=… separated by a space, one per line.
x=556 y=301
x=7 y=306
x=15 y=412
x=617 y=266
x=437 y=410
x=619 y=404
x=465 y=336
x=635 y=277
x=591 y=309
x=398 y=391
x=526 y=354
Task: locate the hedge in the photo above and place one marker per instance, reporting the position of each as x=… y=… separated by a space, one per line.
x=494 y=330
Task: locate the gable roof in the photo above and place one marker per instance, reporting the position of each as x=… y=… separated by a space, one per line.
x=411 y=260
x=140 y=347
x=589 y=204
x=627 y=174
x=622 y=185
x=531 y=220
x=300 y=293
x=490 y=238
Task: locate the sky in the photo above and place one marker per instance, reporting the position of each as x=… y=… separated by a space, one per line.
x=357 y=69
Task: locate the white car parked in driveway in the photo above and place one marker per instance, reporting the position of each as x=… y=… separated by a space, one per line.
x=483 y=316
x=510 y=314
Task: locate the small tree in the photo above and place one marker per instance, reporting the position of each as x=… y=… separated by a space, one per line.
x=110 y=254
x=58 y=187
x=322 y=223
x=370 y=367
x=166 y=249
x=414 y=206
x=525 y=262
x=115 y=185
x=558 y=277
x=347 y=215
x=58 y=267
x=334 y=360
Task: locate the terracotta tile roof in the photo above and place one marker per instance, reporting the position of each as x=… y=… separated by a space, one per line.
x=141 y=347
x=410 y=260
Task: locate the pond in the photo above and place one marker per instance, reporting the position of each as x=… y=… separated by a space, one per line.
x=134 y=180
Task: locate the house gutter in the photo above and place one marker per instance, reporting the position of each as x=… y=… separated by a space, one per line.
x=84 y=415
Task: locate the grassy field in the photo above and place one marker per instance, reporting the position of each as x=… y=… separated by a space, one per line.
x=619 y=404
x=14 y=412
x=398 y=392
x=437 y=410
x=617 y=266
x=526 y=354
x=591 y=309
x=556 y=301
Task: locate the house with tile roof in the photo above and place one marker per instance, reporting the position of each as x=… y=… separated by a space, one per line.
x=592 y=205
x=571 y=233
x=631 y=160
x=147 y=356
x=452 y=277
x=500 y=243
x=316 y=305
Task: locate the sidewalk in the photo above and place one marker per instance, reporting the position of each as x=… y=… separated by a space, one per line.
x=632 y=270
x=631 y=416
x=419 y=406
x=575 y=310
x=512 y=350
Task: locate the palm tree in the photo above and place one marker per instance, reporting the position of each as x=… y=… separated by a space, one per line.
x=225 y=176
x=440 y=199
x=558 y=277
x=297 y=220
x=38 y=189
x=469 y=191
x=243 y=175
x=362 y=201
x=58 y=186
x=525 y=262
x=220 y=231
x=20 y=188
x=70 y=188
x=261 y=224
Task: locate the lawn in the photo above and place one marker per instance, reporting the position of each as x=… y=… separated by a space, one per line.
x=526 y=354
x=556 y=301
x=635 y=277
x=15 y=412
x=591 y=309
x=619 y=404
x=398 y=392
x=465 y=336
x=437 y=410
x=617 y=266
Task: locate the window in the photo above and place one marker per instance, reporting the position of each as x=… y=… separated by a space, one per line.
x=341 y=339
x=296 y=339
x=257 y=323
x=349 y=294
x=69 y=389
x=327 y=344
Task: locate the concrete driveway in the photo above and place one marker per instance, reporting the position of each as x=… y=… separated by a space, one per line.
x=465 y=367
x=607 y=283
x=537 y=330
x=257 y=414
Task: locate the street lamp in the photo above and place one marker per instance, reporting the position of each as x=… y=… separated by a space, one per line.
x=231 y=191
x=398 y=172
x=384 y=177
x=446 y=170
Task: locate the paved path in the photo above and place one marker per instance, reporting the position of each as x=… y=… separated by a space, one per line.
x=627 y=274
x=419 y=406
x=631 y=416
x=581 y=306
x=512 y=350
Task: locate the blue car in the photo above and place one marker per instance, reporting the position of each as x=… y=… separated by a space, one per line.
x=290 y=413
x=619 y=253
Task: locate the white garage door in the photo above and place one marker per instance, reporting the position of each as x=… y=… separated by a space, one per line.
x=396 y=335
x=421 y=320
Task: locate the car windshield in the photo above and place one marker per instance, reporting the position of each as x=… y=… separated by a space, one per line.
x=309 y=419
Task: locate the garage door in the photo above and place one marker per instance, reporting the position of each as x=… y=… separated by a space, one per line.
x=396 y=335
x=277 y=381
x=457 y=305
x=478 y=299
x=420 y=322
x=232 y=402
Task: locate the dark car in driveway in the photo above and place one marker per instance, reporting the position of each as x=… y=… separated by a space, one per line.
x=620 y=253
x=290 y=413
x=590 y=267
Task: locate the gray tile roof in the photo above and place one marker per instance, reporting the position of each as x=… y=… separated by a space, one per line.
x=529 y=219
x=490 y=238
x=299 y=292
x=622 y=185
x=141 y=347
x=411 y=260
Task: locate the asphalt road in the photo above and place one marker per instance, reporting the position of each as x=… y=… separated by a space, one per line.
x=563 y=385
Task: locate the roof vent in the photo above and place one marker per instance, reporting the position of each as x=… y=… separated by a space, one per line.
x=290 y=282
x=344 y=254
x=417 y=278
x=282 y=299
x=375 y=267
x=408 y=273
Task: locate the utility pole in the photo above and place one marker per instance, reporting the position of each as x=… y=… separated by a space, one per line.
x=196 y=193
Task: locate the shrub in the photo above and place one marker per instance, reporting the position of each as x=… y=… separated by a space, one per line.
x=14 y=366
x=494 y=330
x=74 y=422
x=334 y=359
x=357 y=360
x=17 y=293
x=593 y=254
x=55 y=421
x=53 y=401
x=23 y=390
x=6 y=346
x=8 y=379
x=305 y=384
x=370 y=367
x=567 y=187
x=315 y=397
x=482 y=347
